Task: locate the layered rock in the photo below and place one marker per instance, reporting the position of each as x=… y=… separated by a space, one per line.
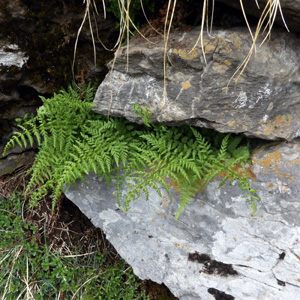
x=265 y=103
x=215 y=248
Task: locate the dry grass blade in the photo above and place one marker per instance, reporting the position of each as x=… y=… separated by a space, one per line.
x=92 y=35
x=129 y=22
x=125 y=22
x=212 y=17
x=246 y=20
x=9 y=279
x=87 y=15
x=268 y=16
x=78 y=34
x=266 y=20
x=8 y=212
x=166 y=39
x=5 y=257
x=127 y=33
x=29 y=294
x=200 y=37
x=144 y=13
x=79 y=255
x=86 y=282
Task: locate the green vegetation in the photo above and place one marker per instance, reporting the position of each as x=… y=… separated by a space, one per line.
x=136 y=8
x=30 y=270
x=74 y=141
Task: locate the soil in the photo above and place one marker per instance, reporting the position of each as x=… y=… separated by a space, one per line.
x=67 y=227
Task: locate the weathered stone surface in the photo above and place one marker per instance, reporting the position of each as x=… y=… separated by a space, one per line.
x=290 y=8
x=265 y=103
x=215 y=248
x=14 y=161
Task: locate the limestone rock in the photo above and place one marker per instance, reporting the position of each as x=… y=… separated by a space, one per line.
x=14 y=161
x=215 y=247
x=264 y=104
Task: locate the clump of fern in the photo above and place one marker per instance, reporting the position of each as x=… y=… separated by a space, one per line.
x=74 y=141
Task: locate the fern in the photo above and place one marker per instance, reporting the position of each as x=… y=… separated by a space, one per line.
x=74 y=141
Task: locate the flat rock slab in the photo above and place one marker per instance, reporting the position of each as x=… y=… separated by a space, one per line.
x=215 y=248
x=265 y=103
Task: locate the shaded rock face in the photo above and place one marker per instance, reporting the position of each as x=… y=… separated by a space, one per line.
x=215 y=250
x=36 y=52
x=290 y=9
x=265 y=103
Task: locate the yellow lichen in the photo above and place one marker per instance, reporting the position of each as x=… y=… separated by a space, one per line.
x=209 y=49
x=236 y=40
x=220 y=68
x=189 y=55
x=186 y=85
x=231 y=124
x=279 y=122
x=270 y=159
x=227 y=62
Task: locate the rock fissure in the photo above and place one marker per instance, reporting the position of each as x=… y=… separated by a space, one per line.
x=219 y=295
x=273 y=285
x=212 y=266
x=12 y=153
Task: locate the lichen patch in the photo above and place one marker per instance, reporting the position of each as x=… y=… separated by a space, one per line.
x=186 y=85
x=188 y=55
x=279 y=123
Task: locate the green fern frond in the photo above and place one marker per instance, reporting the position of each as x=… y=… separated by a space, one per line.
x=222 y=155
x=186 y=195
x=74 y=141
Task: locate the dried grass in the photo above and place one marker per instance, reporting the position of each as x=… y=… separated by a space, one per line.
x=264 y=26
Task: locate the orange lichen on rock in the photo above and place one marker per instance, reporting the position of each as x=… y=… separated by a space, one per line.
x=282 y=174
x=269 y=160
x=188 y=55
x=275 y=161
x=186 y=85
x=279 y=122
x=244 y=171
x=173 y=184
x=231 y=124
x=295 y=161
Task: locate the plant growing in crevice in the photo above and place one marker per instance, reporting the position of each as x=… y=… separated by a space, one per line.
x=74 y=141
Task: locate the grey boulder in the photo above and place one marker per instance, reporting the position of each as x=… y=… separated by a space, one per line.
x=265 y=103
x=215 y=248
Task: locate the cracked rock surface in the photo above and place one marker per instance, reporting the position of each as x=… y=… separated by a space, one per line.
x=265 y=103
x=215 y=250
